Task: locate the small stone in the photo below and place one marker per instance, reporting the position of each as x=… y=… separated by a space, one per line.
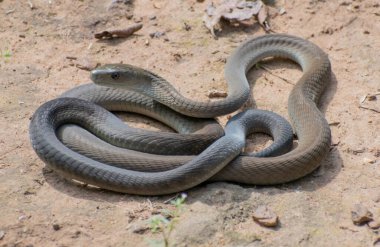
x=23 y=217
x=76 y=234
x=374 y=224
x=264 y=216
x=156 y=34
x=2 y=234
x=328 y=31
x=56 y=227
x=140 y=228
x=177 y=57
x=129 y=16
x=361 y=215
x=86 y=65
x=137 y=19
x=186 y=26
x=28 y=192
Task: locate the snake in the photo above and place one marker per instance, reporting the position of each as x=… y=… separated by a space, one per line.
x=106 y=153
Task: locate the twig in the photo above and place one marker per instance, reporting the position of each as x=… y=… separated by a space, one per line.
x=350 y=21
x=371 y=109
x=347 y=228
x=270 y=72
x=9 y=151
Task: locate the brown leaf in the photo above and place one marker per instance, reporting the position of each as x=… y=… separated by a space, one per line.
x=120 y=33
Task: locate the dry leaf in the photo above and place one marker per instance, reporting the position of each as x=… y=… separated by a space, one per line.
x=235 y=12
x=262 y=18
x=122 y=33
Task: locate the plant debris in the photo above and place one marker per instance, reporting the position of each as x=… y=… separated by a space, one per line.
x=235 y=11
x=120 y=33
x=258 y=65
x=370 y=109
x=216 y=94
x=369 y=97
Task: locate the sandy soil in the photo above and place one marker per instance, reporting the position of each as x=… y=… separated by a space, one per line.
x=38 y=208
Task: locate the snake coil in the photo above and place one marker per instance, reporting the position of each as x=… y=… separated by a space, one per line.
x=107 y=153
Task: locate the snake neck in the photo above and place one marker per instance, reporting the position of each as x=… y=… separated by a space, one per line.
x=165 y=93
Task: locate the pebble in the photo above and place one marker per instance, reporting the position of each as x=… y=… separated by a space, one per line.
x=361 y=215
x=140 y=228
x=56 y=227
x=2 y=234
x=86 y=65
x=264 y=216
x=22 y=217
x=156 y=34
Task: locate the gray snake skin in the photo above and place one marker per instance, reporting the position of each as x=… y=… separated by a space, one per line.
x=156 y=173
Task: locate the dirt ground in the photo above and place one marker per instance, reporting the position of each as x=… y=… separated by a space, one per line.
x=39 y=208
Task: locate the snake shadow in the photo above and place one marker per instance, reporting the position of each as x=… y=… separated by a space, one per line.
x=217 y=193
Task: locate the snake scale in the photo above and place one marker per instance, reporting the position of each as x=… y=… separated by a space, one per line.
x=106 y=153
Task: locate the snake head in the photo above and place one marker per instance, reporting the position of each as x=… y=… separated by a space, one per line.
x=122 y=76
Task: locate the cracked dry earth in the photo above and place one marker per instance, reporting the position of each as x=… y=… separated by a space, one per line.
x=39 y=208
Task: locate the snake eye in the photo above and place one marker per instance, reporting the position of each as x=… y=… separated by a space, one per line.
x=115 y=75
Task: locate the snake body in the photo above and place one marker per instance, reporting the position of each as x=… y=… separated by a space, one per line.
x=220 y=161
